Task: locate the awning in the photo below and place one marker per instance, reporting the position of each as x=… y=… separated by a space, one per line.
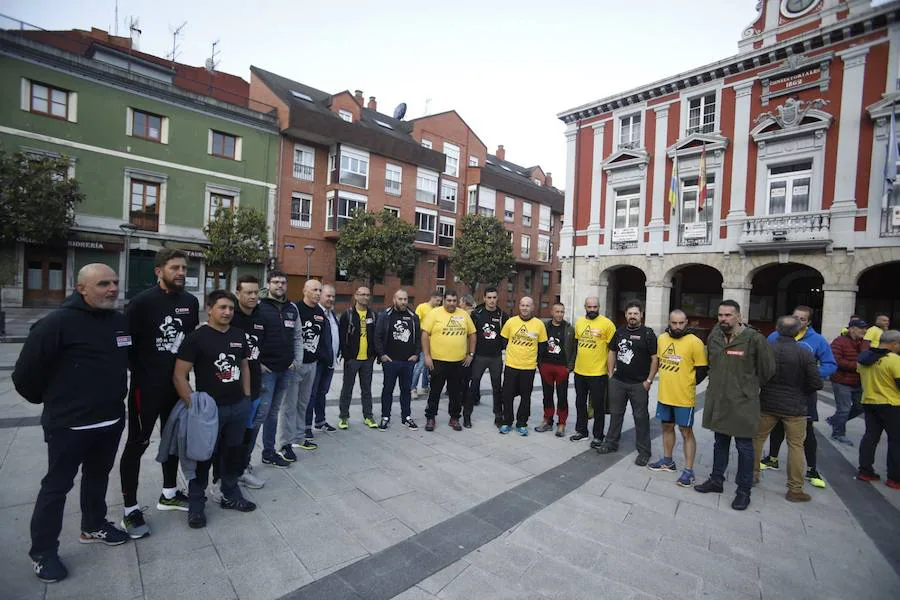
x=192 y=250
x=96 y=241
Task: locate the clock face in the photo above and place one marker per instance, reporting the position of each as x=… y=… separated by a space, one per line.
x=796 y=8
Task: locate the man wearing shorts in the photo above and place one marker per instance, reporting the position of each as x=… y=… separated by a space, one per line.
x=682 y=366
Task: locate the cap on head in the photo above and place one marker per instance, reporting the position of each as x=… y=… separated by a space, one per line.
x=858 y=323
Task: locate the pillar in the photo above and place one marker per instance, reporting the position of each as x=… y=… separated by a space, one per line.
x=567 y=233
x=656 y=313
x=660 y=185
x=740 y=293
x=739 y=154
x=594 y=228
x=838 y=303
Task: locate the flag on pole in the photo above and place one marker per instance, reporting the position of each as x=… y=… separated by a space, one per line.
x=891 y=157
x=673 y=185
x=701 y=180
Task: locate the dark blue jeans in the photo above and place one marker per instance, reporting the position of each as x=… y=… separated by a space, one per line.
x=321 y=385
x=397 y=371
x=229 y=455
x=846 y=406
x=274 y=389
x=744 y=477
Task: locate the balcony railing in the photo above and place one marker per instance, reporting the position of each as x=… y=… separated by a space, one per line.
x=425 y=236
x=426 y=196
x=447 y=205
x=304 y=172
x=797 y=230
x=890 y=221
x=695 y=234
x=145 y=221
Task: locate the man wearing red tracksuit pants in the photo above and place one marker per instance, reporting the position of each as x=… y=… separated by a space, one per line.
x=554 y=368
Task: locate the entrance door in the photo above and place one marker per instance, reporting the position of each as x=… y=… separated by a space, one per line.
x=45 y=276
x=141 y=273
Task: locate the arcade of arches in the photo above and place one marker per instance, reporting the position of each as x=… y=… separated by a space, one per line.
x=836 y=285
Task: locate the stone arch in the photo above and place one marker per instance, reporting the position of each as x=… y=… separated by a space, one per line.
x=697 y=289
x=821 y=263
x=777 y=287
x=638 y=262
x=876 y=291
x=872 y=258
x=675 y=264
x=624 y=281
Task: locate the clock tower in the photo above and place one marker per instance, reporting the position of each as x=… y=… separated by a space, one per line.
x=778 y=20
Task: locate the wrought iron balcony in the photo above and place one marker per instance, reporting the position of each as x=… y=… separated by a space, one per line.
x=788 y=231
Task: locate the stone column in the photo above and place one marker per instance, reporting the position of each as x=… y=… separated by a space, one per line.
x=594 y=228
x=660 y=185
x=657 y=308
x=737 y=213
x=740 y=293
x=837 y=306
x=567 y=233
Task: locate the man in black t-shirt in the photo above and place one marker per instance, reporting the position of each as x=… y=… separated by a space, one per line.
x=632 y=366
x=554 y=369
x=218 y=355
x=159 y=319
x=397 y=343
x=488 y=320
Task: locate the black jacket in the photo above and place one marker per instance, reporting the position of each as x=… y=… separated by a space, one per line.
x=796 y=376
x=277 y=352
x=348 y=333
x=488 y=324
x=75 y=363
x=385 y=344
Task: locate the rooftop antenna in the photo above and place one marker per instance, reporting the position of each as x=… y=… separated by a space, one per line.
x=175 y=35
x=211 y=62
x=116 y=30
x=134 y=28
x=427 y=106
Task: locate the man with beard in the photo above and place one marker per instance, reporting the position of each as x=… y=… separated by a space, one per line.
x=357 y=330
x=488 y=320
x=554 y=369
x=593 y=333
x=632 y=364
x=159 y=319
x=741 y=361
x=526 y=340
x=397 y=341
x=682 y=366
x=248 y=319
x=325 y=365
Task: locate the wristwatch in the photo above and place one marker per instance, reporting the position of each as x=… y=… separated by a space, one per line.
x=471 y=354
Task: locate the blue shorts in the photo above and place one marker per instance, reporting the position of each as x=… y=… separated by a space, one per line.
x=683 y=416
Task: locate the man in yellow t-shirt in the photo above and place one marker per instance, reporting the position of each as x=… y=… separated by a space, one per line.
x=592 y=336
x=420 y=370
x=525 y=338
x=355 y=328
x=879 y=372
x=448 y=342
x=682 y=365
x=873 y=333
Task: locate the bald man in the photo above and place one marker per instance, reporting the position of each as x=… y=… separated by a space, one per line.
x=75 y=363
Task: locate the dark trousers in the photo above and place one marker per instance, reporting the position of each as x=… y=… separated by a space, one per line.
x=94 y=450
x=620 y=393
x=465 y=383
x=351 y=368
x=146 y=405
x=879 y=418
x=517 y=382
x=556 y=377
x=228 y=454
x=593 y=388
x=397 y=371
x=321 y=385
x=810 y=445
x=480 y=364
x=744 y=477
x=449 y=373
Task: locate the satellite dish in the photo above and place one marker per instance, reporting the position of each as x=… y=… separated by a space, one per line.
x=400 y=111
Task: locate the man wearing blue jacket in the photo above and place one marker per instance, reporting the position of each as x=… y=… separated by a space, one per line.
x=821 y=350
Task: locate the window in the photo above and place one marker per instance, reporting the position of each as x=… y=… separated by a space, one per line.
x=393 y=179
x=441 y=268
x=216 y=279
x=511 y=284
x=301 y=95
x=304 y=162
x=473 y=160
x=383 y=124
x=354 y=169
x=789 y=187
x=526 y=246
x=630 y=131
x=451 y=166
x=441 y=289
x=426 y=225
x=50 y=101
x=446 y=232
x=144 y=212
x=145 y=125
x=332 y=161
x=543 y=249
x=545 y=218
x=487 y=202
x=224 y=145
x=545 y=281
x=448 y=196
x=426 y=144
x=690 y=191
x=526 y=281
x=219 y=201
x=526 y=214
x=347 y=203
x=394 y=210
x=426 y=186
x=301 y=211
x=509 y=209
x=472 y=202
x=537 y=181
x=628 y=207
x=346 y=115
x=702 y=114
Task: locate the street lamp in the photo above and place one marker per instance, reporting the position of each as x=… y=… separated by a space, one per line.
x=431 y=274
x=128 y=229
x=309 y=249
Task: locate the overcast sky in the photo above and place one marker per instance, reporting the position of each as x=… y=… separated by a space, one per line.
x=507 y=67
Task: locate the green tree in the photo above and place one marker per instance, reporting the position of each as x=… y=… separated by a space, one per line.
x=37 y=205
x=374 y=244
x=236 y=237
x=482 y=253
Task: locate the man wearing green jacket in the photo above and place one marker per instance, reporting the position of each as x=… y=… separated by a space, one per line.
x=740 y=362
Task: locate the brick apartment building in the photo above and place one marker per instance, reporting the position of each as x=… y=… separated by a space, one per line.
x=338 y=153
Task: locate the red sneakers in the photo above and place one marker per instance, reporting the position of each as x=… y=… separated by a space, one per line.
x=894 y=485
x=868 y=476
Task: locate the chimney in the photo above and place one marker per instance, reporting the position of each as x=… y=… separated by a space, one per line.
x=372 y=104
x=358 y=97
x=501 y=153
x=548 y=179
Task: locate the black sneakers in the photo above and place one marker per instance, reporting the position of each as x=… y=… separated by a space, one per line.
x=384 y=424
x=135 y=525
x=467 y=422
x=275 y=460
x=710 y=485
x=577 y=436
x=429 y=424
x=410 y=424
x=109 y=534
x=287 y=453
x=326 y=427
x=239 y=504
x=741 y=501
x=197 y=520
x=49 y=568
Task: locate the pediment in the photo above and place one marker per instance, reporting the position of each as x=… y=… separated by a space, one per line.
x=793 y=118
x=626 y=158
x=694 y=143
x=884 y=107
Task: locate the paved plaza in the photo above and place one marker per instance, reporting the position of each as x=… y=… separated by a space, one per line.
x=468 y=515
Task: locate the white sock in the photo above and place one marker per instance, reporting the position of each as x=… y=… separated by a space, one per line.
x=169 y=493
x=131 y=509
